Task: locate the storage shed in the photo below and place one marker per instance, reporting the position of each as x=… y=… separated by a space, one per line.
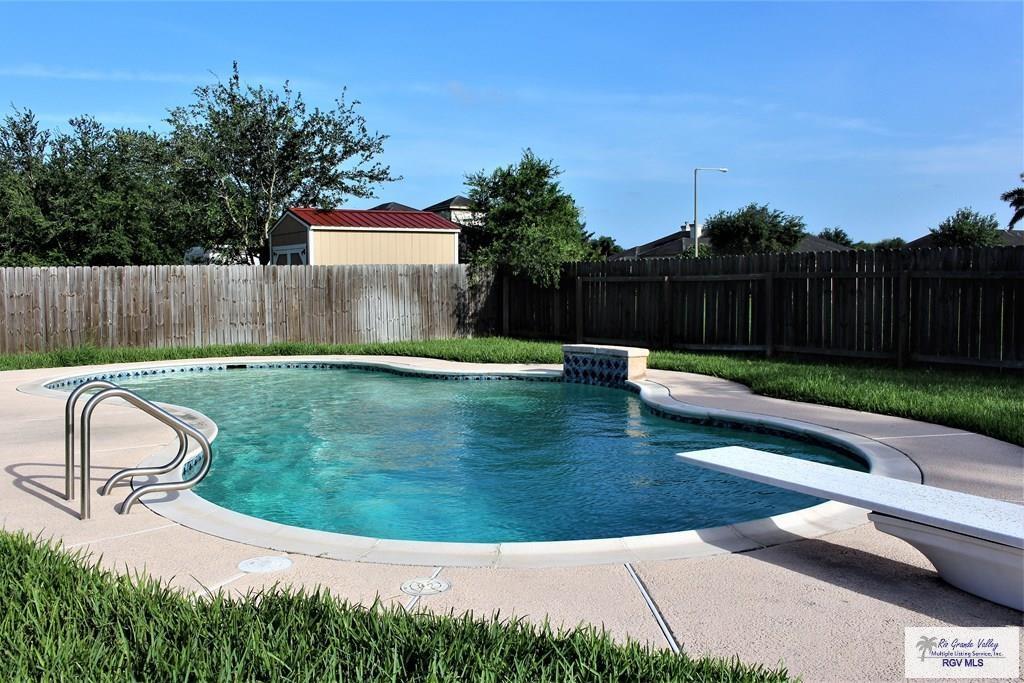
x=329 y=237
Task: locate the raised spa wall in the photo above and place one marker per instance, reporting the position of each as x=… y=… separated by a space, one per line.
x=606 y=366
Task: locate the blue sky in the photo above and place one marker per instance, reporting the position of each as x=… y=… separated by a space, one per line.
x=882 y=118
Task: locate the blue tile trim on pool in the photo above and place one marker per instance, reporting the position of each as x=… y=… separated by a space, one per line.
x=190 y=467
x=75 y=381
x=605 y=371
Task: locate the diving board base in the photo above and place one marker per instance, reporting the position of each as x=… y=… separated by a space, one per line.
x=989 y=570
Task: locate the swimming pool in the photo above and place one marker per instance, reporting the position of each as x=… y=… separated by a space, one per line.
x=385 y=455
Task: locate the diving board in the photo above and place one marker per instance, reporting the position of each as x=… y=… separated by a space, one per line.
x=975 y=543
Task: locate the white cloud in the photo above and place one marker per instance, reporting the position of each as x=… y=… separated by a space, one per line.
x=704 y=107
x=50 y=72
x=847 y=123
x=969 y=156
x=40 y=71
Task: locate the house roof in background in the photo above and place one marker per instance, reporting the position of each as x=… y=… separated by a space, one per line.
x=370 y=219
x=1007 y=238
x=392 y=206
x=815 y=243
x=456 y=202
x=679 y=242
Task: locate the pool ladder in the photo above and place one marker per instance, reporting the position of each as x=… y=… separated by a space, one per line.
x=111 y=390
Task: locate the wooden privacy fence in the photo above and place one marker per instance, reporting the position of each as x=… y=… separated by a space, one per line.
x=156 y=306
x=929 y=305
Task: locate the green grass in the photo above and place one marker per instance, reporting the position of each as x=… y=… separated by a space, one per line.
x=980 y=401
x=985 y=402
x=64 y=619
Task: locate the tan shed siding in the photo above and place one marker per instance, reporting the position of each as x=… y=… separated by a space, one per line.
x=289 y=231
x=339 y=247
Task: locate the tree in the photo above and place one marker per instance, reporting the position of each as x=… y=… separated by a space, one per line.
x=243 y=154
x=22 y=223
x=603 y=246
x=967 y=228
x=754 y=229
x=888 y=243
x=24 y=229
x=703 y=251
x=110 y=197
x=85 y=196
x=1015 y=197
x=529 y=224
x=837 y=235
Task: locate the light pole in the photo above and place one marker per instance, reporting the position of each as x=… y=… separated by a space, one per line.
x=696 y=235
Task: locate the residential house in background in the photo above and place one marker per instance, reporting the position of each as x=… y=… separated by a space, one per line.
x=320 y=237
x=457 y=209
x=1007 y=238
x=392 y=206
x=682 y=242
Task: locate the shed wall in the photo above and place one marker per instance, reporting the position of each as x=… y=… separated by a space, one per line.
x=289 y=231
x=342 y=247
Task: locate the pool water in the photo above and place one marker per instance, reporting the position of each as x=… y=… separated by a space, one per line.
x=393 y=456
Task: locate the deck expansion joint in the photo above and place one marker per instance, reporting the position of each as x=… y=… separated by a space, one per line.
x=666 y=631
x=116 y=536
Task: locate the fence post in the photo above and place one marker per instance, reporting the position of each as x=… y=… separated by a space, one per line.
x=504 y=305
x=556 y=313
x=666 y=313
x=902 y=318
x=579 y=309
x=769 y=310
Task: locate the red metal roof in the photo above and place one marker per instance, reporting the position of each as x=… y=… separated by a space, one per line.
x=358 y=218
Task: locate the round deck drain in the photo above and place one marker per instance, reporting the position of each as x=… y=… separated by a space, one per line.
x=425 y=586
x=266 y=563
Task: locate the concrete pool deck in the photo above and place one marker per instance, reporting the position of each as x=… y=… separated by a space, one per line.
x=830 y=608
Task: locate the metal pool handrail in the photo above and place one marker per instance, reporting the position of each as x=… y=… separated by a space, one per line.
x=69 y=443
x=162 y=469
x=182 y=428
x=69 y=431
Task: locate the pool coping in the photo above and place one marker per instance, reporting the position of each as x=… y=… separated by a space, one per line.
x=192 y=511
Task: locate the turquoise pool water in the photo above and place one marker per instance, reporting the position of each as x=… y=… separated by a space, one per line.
x=391 y=456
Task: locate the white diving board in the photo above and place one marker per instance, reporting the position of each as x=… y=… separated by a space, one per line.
x=975 y=543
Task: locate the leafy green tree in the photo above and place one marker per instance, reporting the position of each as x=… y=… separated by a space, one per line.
x=25 y=232
x=529 y=225
x=703 y=251
x=837 y=235
x=22 y=224
x=754 y=229
x=87 y=196
x=111 y=196
x=1015 y=198
x=967 y=228
x=603 y=246
x=888 y=243
x=243 y=154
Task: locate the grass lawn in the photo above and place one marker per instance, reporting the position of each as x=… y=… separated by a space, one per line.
x=64 y=619
x=982 y=401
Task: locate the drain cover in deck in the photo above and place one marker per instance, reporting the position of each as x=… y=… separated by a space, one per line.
x=425 y=586
x=263 y=564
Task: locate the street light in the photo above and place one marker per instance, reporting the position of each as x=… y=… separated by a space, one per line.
x=696 y=235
